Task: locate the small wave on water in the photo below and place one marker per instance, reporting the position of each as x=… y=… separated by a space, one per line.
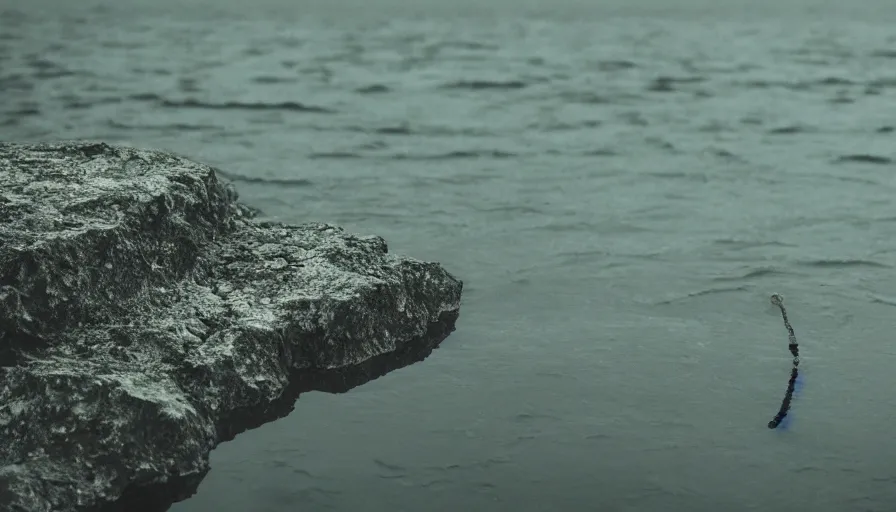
x=450 y=155
x=268 y=79
x=373 y=89
x=394 y=130
x=288 y=106
x=458 y=155
x=753 y=274
x=480 y=85
x=701 y=293
x=844 y=263
x=672 y=84
x=281 y=182
x=882 y=299
x=790 y=130
x=609 y=66
x=864 y=159
x=797 y=85
x=168 y=128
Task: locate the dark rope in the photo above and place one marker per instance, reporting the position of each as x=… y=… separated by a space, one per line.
x=777 y=300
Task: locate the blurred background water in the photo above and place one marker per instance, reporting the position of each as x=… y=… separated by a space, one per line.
x=620 y=185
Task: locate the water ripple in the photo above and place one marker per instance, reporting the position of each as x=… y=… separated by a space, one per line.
x=754 y=274
x=287 y=182
x=457 y=155
x=843 y=263
x=237 y=105
x=881 y=299
x=479 y=85
x=700 y=293
x=864 y=159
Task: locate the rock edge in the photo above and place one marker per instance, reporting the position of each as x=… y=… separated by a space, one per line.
x=146 y=317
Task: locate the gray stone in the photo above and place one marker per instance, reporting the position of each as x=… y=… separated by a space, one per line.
x=146 y=317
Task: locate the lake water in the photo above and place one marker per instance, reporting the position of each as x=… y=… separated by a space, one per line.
x=621 y=188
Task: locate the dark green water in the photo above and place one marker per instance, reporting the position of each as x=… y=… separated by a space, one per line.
x=621 y=188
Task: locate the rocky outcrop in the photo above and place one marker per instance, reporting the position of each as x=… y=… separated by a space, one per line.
x=145 y=317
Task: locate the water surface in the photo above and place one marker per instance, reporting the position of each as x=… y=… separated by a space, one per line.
x=620 y=188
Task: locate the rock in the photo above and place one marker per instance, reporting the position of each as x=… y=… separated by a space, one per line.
x=145 y=317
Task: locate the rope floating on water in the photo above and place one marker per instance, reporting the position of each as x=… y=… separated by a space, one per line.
x=777 y=300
